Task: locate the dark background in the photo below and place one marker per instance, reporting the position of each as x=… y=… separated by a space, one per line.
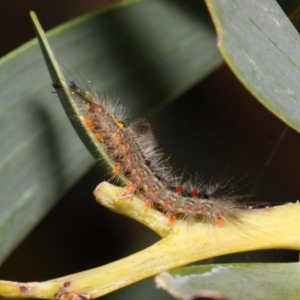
x=78 y=234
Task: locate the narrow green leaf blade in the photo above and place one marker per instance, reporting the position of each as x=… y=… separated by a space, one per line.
x=70 y=106
x=243 y=281
x=261 y=46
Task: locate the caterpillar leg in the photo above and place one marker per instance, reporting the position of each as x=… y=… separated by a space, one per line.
x=128 y=191
x=220 y=222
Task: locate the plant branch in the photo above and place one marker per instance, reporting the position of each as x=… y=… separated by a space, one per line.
x=183 y=243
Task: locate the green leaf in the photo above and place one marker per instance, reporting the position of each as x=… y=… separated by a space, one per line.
x=147 y=52
x=261 y=46
x=70 y=106
x=233 y=281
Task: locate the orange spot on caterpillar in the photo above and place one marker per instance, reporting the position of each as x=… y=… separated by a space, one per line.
x=89 y=123
x=117 y=168
x=179 y=189
x=171 y=220
x=148 y=205
x=99 y=137
x=220 y=222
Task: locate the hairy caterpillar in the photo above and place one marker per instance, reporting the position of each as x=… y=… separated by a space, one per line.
x=135 y=154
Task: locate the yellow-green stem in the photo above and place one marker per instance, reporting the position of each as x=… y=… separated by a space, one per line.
x=277 y=227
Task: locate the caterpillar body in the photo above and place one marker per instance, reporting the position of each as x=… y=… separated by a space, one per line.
x=135 y=154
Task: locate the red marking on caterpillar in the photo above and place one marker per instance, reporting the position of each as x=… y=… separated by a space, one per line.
x=194 y=193
x=134 y=151
x=179 y=189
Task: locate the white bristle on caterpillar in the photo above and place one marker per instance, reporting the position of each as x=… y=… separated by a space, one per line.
x=134 y=151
